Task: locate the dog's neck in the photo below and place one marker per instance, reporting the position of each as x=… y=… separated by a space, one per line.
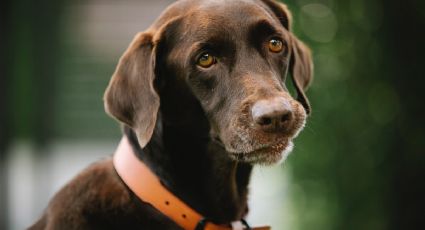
x=197 y=170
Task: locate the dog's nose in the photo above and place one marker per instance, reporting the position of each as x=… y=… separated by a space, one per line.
x=272 y=115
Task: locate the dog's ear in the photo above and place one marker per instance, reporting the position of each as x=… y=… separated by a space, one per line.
x=301 y=63
x=301 y=68
x=131 y=97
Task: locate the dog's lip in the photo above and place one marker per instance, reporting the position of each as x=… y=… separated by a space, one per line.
x=266 y=148
x=282 y=143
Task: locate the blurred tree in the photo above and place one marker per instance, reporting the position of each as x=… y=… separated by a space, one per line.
x=405 y=43
x=34 y=36
x=360 y=162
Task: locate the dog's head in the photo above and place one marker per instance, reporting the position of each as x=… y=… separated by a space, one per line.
x=232 y=57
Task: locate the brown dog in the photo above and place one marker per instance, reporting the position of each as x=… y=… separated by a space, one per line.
x=202 y=97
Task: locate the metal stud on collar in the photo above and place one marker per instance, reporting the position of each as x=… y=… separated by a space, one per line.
x=201 y=224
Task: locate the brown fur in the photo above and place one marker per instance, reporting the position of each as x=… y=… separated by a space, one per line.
x=194 y=126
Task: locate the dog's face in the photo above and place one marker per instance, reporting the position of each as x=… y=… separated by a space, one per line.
x=233 y=57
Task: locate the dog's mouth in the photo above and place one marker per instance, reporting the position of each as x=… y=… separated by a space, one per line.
x=265 y=154
x=245 y=142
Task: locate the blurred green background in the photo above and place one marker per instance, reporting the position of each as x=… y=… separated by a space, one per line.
x=358 y=164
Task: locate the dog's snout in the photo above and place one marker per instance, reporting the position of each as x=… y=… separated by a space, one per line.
x=272 y=115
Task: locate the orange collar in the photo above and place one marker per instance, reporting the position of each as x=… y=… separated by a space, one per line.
x=133 y=171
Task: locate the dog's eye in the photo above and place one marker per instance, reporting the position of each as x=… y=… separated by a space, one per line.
x=206 y=60
x=276 y=45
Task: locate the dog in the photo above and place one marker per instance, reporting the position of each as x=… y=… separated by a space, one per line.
x=202 y=98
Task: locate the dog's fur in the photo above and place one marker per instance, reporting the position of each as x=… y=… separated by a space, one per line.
x=193 y=126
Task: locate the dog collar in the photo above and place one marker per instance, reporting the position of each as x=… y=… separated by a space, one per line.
x=133 y=171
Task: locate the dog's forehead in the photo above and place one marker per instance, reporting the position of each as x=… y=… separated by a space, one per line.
x=225 y=20
x=227 y=14
x=217 y=15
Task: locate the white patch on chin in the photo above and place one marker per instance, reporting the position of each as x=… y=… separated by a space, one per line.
x=302 y=126
x=285 y=153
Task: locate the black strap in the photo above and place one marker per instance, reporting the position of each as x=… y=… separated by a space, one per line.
x=245 y=224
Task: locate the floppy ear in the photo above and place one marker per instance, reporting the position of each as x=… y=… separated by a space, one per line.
x=301 y=68
x=130 y=96
x=301 y=63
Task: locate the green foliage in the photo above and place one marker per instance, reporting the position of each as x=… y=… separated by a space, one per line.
x=339 y=163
